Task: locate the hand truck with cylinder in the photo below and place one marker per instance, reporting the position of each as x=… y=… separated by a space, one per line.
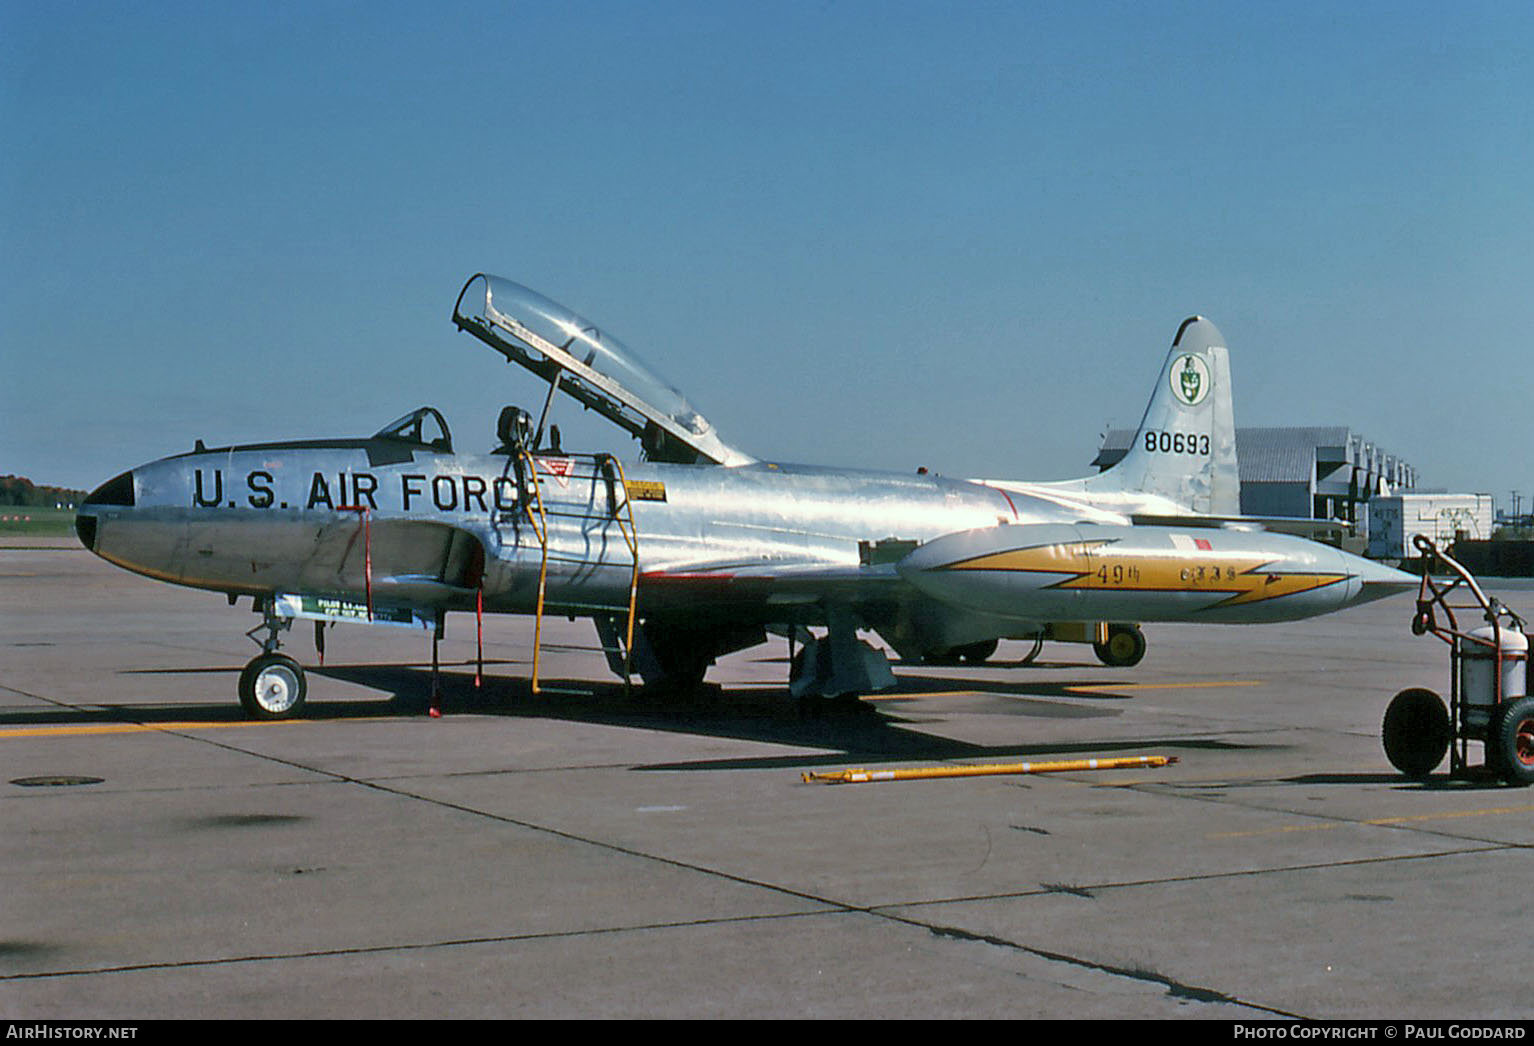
x=1488 y=684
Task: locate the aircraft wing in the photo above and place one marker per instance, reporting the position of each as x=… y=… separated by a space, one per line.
x=706 y=595
x=779 y=583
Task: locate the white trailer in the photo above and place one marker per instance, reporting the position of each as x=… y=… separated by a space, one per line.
x=1394 y=520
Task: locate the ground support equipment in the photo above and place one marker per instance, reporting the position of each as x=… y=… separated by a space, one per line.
x=1488 y=692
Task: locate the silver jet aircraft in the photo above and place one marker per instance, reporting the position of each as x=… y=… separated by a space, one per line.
x=699 y=549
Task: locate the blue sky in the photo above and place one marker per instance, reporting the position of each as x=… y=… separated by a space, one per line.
x=875 y=234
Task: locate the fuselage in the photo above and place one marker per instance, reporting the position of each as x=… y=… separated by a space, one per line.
x=294 y=517
x=924 y=557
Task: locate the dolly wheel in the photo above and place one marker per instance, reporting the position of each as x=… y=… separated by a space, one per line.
x=272 y=687
x=1417 y=732
x=1510 y=741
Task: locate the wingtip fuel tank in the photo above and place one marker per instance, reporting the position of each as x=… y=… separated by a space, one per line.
x=1096 y=572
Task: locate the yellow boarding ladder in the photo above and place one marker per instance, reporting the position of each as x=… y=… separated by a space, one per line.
x=570 y=470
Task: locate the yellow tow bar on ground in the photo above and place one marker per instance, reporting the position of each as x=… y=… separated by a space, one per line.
x=1059 y=766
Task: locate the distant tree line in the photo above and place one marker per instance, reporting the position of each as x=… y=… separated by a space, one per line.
x=18 y=490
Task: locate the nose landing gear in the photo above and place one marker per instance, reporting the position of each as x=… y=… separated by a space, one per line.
x=272 y=686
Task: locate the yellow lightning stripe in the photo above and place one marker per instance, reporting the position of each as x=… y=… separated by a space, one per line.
x=1098 y=568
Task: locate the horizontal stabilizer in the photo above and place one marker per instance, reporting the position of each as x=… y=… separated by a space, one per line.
x=1301 y=526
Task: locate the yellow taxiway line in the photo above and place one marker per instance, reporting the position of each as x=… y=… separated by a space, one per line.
x=128 y=728
x=1114 y=688
x=1490 y=811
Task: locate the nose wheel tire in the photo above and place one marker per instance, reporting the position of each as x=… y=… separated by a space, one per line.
x=272 y=687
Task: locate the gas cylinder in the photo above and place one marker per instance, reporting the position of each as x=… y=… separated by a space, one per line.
x=1478 y=672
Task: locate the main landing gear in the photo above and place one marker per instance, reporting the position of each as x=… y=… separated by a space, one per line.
x=1124 y=647
x=272 y=686
x=975 y=653
x=1116 y=644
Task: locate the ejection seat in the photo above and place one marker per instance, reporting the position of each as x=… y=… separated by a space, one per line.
x=514 y=430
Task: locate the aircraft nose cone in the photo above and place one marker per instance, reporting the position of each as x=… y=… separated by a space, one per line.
x=85 y=530
x=116 y=492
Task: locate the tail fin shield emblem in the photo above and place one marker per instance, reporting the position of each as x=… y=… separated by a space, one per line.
x=1191 y=384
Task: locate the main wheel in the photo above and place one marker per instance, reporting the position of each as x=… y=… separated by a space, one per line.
x=976 y=653
x=1417 y=732
x=682 y=658
x=679 y=677
x=1125 y=646
x=272 y=687
x=1510 y=741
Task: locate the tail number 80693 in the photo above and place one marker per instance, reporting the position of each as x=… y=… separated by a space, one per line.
x=1176 y=442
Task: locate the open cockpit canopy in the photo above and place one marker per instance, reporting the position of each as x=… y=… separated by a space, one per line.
x=597 y=369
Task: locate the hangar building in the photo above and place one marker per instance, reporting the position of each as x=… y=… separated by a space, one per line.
x=1323 y=472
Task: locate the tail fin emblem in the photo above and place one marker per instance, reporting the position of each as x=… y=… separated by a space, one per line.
x=1191 y=384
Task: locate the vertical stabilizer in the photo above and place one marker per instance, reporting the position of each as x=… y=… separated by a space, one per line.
x=1185 y=448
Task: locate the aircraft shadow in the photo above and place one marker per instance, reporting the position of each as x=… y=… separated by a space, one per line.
x=756 y=714
x=848 y=729
x=1439 y=782
x=1071 y=689
x=995 y=662
x=866 y=732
